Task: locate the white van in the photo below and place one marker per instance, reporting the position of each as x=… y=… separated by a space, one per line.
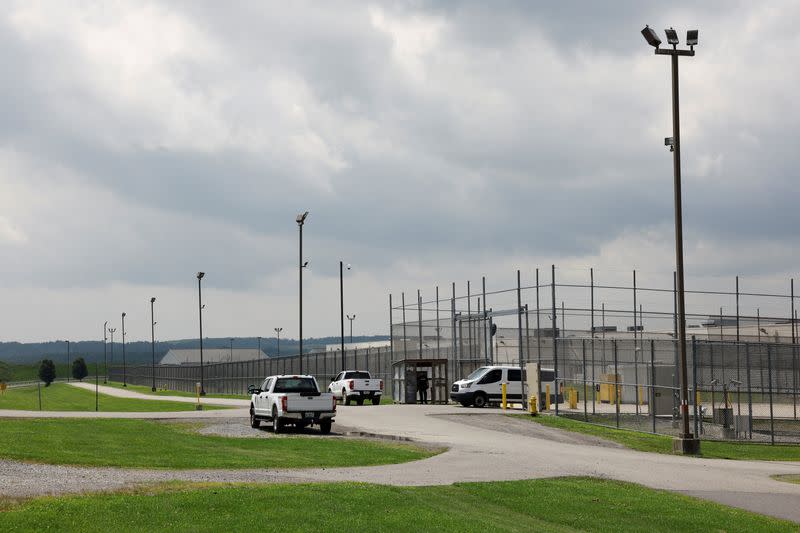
x=483 y=386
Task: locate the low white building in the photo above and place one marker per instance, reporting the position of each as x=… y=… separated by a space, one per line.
x=210 y=355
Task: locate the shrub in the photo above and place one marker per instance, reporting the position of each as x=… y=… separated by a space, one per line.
x=79 y=370
x=47 y=371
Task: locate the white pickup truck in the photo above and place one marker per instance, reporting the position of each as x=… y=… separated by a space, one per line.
x=356 y=385
x=294 y=400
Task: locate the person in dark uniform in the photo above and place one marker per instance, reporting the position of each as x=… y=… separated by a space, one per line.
x=422 y=386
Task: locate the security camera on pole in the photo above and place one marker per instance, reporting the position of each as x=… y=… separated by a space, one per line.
x=686 y=443
x=301 y=219
x=200 y=311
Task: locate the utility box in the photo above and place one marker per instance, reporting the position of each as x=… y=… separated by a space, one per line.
x=609 y=388
x=665 y=395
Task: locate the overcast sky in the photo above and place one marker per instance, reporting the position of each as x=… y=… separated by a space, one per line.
x=431 y=142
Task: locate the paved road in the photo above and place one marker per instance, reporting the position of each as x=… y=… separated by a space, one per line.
x=483 y=445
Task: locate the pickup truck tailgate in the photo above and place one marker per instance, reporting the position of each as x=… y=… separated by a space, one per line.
x=372 y=385
x=323 y=402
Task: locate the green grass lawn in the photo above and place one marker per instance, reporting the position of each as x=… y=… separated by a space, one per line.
x=63 y=397
x=166 y=392
x=788 y=478
x=152 y=444
x=648 y=442
x=552 y=505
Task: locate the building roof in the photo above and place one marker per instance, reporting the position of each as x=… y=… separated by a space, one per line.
x=210 y=355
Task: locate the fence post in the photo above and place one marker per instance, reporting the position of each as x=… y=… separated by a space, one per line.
x=555 y=334
x=438 y=329
x=652 y=405
x=694 y=386
x=391 y=333
x=771 y=413
x=616 y=382
x=419 y=318
x=486 y=334
x=519 y=333
x=749 y=391
x=591 y=310
x=585 y=411
x=538 y=325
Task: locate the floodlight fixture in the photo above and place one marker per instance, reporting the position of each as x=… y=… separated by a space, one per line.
x=691 y=37
x=200 y=275
x=651 y=37
x=672 y=36
x=305 y=265
x=153 y=299
x=302 y=218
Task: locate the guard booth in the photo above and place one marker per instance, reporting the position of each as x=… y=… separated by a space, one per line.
x=406 y=374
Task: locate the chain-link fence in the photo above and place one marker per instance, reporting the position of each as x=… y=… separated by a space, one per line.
x=234 y=377
x=744 y=391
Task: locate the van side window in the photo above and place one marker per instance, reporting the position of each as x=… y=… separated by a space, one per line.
x=548 y=375
x=492 y=376
x=514 y=374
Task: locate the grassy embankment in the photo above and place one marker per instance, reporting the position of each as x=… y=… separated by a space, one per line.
x=63 y=397
x=10 y=372
x=648 y=442
x=151 y=444
x=553 y=505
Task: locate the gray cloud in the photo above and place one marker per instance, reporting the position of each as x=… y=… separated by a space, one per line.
x=143 y=141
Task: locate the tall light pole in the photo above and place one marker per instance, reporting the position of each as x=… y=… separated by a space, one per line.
x=278 y=332
x=200 y=312
x=687 y=442
x=351 y=318
x=341 y=306
x=153 y=340
x=112 y=330
x=301 y=219
x=69 y=370
x=231 y=356
x=259 y=347
x=105 y=356
x=124 y=364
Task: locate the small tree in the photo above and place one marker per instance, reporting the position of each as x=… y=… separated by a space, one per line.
x=47 y=372
x=79 y=370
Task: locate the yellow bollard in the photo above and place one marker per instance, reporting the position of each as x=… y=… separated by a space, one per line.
x=503 y=391
x=197 y=407
x=547 y=397
x=532 y=404
x=573 y=398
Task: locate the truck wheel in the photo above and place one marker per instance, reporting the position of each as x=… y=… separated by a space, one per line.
x=345 y=398
x=277 y=425
x=254 y=422
x=360 y=401
x=376 y=400
x=325 y=426
x=480 y=400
